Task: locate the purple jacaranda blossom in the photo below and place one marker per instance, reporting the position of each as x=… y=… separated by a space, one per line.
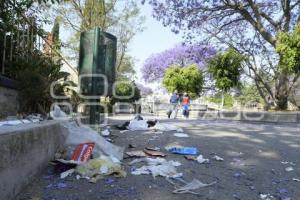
x=144 y=89
x=181 y=55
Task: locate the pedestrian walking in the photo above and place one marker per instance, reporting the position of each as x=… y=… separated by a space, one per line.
x=185 y=103
x=173 y=105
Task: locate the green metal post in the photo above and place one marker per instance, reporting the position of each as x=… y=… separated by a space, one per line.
x=93 y=102
x=97 y=57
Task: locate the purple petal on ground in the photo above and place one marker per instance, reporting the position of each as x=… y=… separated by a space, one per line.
x=237 y=175
x=49 y=186
x=283 y=191
x=109 y=180
x=61 y=185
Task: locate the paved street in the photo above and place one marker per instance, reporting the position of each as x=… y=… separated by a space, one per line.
x=255 y=160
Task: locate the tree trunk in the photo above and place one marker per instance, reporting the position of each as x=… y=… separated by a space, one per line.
x=262 y=95
x=222 y=103
x=282 y=92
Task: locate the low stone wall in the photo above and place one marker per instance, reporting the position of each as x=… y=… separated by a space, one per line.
x=25 y=150
x=274 y=117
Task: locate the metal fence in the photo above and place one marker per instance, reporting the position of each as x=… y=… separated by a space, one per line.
x=21 y=39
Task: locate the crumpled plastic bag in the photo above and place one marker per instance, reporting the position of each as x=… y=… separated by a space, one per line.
x=78 y=134
x=100 y=166
x=157 y=167
x=57 y=113
x=138 y=125
x=193 y=185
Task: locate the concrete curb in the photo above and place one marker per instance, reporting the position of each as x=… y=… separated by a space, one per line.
x=25 y=150
x=274 y=117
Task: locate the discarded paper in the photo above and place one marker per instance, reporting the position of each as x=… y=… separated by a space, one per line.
x=137 y=153
x=218 y=158
x=154 y=153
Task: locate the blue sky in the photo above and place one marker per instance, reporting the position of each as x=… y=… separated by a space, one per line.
x=154 y=39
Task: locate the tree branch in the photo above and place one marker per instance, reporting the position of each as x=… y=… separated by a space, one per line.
x=287 y=14
x=257 y=25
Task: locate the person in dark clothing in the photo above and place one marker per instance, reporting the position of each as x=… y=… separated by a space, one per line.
x=173 y=104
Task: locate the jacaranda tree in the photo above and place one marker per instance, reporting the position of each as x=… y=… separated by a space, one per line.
x=181 y=55
x=144 y=90
x=249 y=26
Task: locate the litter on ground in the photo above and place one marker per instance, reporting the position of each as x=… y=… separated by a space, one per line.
x=218 y=158
x=184 y=150
x=193 y=185
x=289 y=169
x=106 y=132
x=266 y=197
x=154 y=153
x=74 y=136
x=95 y=168
x=200 y=159
x=157 y=167
x=137 y=153
x=173 y=145
x=67 y=173
x=181 y=135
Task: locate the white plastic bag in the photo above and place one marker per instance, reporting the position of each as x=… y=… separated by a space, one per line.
x=77 y=135
x=138 y=125
x=57 y=113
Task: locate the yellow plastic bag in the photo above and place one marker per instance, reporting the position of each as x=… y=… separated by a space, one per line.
x=100 y=166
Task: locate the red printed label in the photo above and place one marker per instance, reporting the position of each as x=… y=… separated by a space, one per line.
x=83 y=152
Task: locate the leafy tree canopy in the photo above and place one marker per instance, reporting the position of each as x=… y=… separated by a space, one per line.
x=126 y=89
x=288 y=47
x=249 y=94
x=226 y=69
x=188 y=79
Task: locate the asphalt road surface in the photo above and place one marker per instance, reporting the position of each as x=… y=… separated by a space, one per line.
x=258 y=159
